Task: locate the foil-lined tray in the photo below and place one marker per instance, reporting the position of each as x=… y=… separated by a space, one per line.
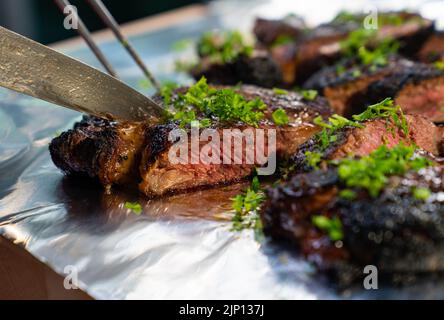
x=181 y=247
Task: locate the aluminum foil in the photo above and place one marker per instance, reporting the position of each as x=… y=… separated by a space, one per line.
x=180 y=247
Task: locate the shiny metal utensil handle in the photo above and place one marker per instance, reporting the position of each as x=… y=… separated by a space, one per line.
x=36 y=70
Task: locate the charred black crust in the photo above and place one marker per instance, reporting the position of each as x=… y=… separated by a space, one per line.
x=260 y=70
x=392 y=85
x=257 y=70
x=329 y=77
x=282 y=200
x=395 y=231
x=81 y=149
x=157 y=141
x=312 y=145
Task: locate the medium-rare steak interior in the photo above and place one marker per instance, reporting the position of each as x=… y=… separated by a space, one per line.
x=381 y=124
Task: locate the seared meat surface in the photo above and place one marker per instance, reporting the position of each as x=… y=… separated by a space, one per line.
x=433 y=49
x=115 y=152
x=160 y=176
x=419 y=89
x=377 y=132
x=396 y=231
x=100 y=148
x=345 y=85
x=259 y=69
x=272 y=32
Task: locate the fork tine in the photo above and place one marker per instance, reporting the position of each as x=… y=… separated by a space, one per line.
x=86 y=35
x=111 y=23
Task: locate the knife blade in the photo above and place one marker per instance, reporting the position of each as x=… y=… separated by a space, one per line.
x=34 y=69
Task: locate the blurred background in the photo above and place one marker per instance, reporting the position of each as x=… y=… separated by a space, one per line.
x=42 y=21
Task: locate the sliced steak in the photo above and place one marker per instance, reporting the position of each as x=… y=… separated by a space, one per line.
x=321 y=47
x=419 y=90
x=433 y=49
x=162 y=176
x=345 y=84
x=396 y=231
x=100 y=148
x=269 y=32
x=112 y=151
x=259 y=69
x=362 y=141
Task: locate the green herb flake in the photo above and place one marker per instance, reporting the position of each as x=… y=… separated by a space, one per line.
x=439 y=65
x=309 y=95
x=421 y=193
x=279 y=91
x=226 y=105
x=246 y=206
x=280 y=117
x=332 y=226
x=347 y=194
x=372 y=172
x=134 y=207
x=369 y=50
x=223 y=47
x=313 y=159
x=283 y=39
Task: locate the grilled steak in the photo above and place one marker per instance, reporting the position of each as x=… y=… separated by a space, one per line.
x=100 y=148
x=433 y=49
x=272 y=32
x=419 y=89
x=161 y=176
x=112 y=151
x=321 y=47
x=259 y=69
x=345 y=84
x=362 y=141
x=396 y=231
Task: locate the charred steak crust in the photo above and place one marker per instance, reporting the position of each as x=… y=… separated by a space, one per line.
x=100 y=148
x=260 y=69
x=346 y=91
x=428 y=83
x=395 y=231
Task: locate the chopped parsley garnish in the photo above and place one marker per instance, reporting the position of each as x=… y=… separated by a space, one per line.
x=309 y=94
x=373 y=171
x=279 y=91
x=439 y=65
x=280 y=117
x=313 y=159
x=384 y=109
x=327 y=134
x=223 y=47
x=421 y=193
x=246 y=206
x=134 y=207
x=226 y=105
x=283 y=39
x=370 y=51
x=332 y=226
x=347 y=194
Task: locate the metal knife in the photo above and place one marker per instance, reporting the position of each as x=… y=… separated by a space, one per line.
x=31 y=68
